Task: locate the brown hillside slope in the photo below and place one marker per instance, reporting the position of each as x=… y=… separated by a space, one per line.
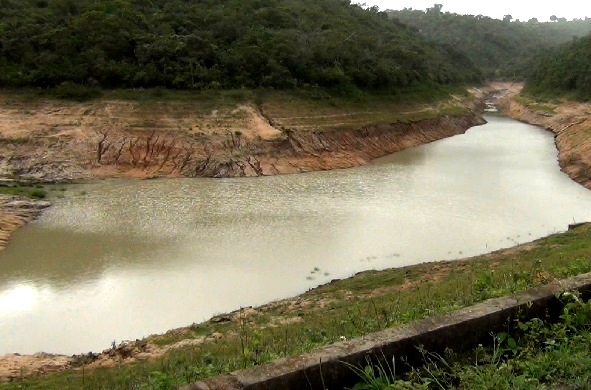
x=51 y=140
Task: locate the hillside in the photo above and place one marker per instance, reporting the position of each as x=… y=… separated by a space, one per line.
x=217 y=45
x=502 y=49
x=564 y=71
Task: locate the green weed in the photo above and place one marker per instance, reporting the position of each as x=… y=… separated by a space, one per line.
x=26 y=190
x=537 y=354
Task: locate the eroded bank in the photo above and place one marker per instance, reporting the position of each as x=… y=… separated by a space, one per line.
x=569 y=121
x=56 y=141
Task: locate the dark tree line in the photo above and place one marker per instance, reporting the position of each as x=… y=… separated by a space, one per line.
x=204 y=44
x=502 y=49
x=563 y=71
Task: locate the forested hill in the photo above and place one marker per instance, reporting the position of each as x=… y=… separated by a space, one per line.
x=503 y=49
x=563 y=71
x=217 y=44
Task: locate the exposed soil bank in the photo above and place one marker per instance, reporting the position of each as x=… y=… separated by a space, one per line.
x=569 y=121
x=112 y=139
x=15 y=212
x=306 y=151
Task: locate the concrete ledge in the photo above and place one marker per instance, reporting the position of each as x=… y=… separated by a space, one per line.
x=327 y=368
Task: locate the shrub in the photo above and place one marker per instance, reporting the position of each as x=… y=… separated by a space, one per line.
x=38 y=194
x=72 y=91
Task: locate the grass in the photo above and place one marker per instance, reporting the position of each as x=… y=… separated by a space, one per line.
x=544 y=107
x=33 y=190
x=539 y=354
x=321 y=111
x=349 y=308
x=30 y=191
x=14 y=140
x=554 y=94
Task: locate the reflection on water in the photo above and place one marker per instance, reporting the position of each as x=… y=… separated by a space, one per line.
x=119 y=260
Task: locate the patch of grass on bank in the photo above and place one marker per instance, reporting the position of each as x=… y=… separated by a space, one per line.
x=30 y=191
x=308 y=99
x=365 y=303
x=320 y=110
x=544 y=107
x=539 y=355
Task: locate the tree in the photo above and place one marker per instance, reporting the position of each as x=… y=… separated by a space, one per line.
x=564 y=70
x=553 y=18
x=502 y=50
x=208 y=44
x=507 y=18
x=533 y=20
x=436 y=9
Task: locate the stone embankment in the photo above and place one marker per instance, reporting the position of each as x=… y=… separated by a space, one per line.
x=569 y=121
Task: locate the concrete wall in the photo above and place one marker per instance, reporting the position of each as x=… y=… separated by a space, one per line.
x=329 y=367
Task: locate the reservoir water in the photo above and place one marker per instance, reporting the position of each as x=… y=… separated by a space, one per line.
x=118 y=260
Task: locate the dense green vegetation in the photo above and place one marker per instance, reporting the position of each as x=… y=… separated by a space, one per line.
x=565 y=71
x=503 y=49
x=365 y=303
x=539 y=355
x=213 y=44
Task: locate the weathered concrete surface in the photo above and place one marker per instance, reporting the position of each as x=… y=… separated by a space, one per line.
x=329 y=367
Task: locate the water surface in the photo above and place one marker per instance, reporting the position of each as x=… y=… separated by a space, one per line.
x=122 y=259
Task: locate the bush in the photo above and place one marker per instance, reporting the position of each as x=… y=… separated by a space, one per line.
x=38 y=194
x=72 y=91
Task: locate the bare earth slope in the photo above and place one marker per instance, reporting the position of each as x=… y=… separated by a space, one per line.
x=569 y=121
x=15 y=212
x=51 y=140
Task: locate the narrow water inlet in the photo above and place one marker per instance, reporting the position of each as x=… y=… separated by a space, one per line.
x=121 y=259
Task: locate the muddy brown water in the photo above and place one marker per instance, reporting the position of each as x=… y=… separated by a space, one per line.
x=121 y=259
